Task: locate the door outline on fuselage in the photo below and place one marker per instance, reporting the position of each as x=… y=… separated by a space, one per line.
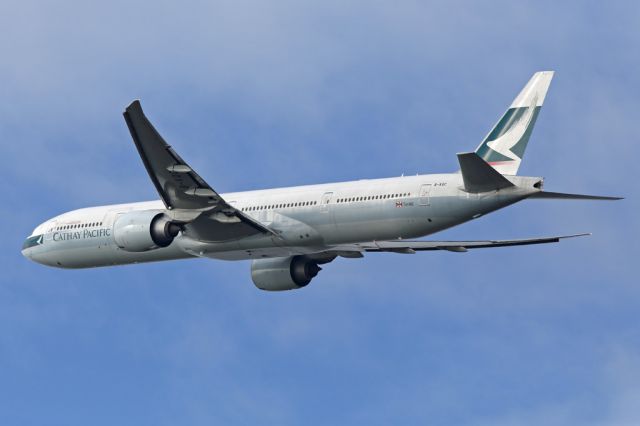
x=425 y=194
x=48 y=233
x=324 y=201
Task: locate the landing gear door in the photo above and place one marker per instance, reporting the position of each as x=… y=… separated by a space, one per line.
x=425 y=194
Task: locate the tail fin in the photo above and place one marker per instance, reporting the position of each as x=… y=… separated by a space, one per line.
x=504 y=146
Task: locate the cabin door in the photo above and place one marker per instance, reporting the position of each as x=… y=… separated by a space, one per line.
x=324 y=201
x=425 y=194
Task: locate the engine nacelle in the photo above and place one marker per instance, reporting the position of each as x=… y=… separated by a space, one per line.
x=144 y=230
x=283 y=273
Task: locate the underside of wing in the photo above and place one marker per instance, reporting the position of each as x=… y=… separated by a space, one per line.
x=205 y=215
x=178 y=185
x=410 y=247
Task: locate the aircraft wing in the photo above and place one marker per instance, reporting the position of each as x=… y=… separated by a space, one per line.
x=410 y=247
x=211 y=218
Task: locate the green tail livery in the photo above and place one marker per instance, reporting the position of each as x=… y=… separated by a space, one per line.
x=505 y=144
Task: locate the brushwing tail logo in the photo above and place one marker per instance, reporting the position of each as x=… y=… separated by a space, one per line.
x=505 y=143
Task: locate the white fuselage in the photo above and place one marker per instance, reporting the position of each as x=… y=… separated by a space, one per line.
x=307 y=219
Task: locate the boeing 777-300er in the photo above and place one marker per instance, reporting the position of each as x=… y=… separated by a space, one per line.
x=288 y=232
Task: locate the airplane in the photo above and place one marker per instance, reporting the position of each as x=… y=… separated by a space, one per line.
x=287 y=233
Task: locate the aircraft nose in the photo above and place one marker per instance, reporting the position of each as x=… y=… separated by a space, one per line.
x=29 y=244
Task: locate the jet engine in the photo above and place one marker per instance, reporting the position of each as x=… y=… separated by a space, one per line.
x=283 y=273
x=144 y=230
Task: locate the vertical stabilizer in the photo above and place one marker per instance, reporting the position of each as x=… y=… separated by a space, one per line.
x=505 y=144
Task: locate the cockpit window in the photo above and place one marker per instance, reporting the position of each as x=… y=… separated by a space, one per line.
x=32 y=241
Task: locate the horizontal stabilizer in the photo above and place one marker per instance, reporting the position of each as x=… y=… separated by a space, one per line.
x=478 y=175
x=562 y=196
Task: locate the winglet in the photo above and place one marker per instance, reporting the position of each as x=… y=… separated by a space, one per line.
x=478 y=175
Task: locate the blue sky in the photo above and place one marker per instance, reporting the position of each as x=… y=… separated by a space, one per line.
x=259 y=94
